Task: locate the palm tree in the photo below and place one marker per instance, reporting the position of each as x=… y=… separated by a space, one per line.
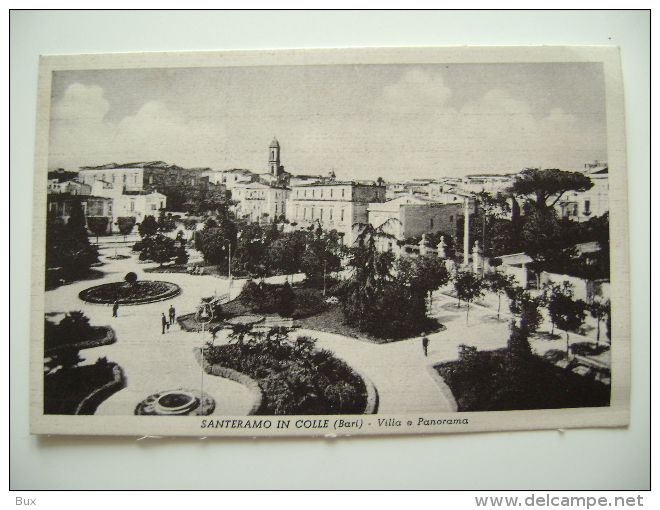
x=371 y=269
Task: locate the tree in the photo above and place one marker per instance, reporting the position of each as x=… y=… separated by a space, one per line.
x=569 y=314
x=148 y=227
x=469 y=287
x=599 y=310
x=489 y=208
x=166 y=222
x=159 y=248
x=552 y=294
x=98 y=225
x=251 y=255
x=322 y=255
x=125 y=225
x=371 y=270
x=67 y=244
x=498 y=283
x=286 y=252
x=526 y=307
x=422 y=274
x=544 y=188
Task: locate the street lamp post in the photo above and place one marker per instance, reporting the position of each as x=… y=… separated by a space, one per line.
x=204 y=316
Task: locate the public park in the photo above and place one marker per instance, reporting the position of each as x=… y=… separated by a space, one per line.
x=173 y=335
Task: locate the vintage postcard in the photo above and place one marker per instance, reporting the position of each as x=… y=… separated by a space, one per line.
x=330 y=242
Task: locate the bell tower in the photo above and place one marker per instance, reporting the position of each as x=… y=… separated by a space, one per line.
x=274 y=158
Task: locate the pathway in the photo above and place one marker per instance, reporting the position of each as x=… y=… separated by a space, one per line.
x=155 y=362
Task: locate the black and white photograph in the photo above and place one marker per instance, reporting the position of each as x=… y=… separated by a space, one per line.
x=330 y=242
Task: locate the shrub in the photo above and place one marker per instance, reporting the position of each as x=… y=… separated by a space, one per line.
x=259 y=297
x=75 y=327
x=131 y=277
x=308 y=302
x=295 y=378
x=286 y=301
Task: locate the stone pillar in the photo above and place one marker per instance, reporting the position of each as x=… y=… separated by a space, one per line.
x=423 y=250
x=466 y=234
x=442 y=246
x=476 y=257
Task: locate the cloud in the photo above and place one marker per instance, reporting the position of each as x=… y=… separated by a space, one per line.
x=417 y=91
x=81 y=135
x=81 y=103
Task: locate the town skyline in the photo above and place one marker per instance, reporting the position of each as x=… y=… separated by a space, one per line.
x=362 y=121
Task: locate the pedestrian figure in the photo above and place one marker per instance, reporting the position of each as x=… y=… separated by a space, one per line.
x=425 y=344
x=163 y=321
x=172 y=313
x=115 y=309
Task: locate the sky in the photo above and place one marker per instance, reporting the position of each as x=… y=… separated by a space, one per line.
x=392 y=121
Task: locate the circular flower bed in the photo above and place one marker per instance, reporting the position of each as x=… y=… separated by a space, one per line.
x=126 y=293
x=176 y=403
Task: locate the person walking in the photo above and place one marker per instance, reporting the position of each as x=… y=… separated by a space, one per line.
x=163 y=321
x=425 y=344
x=172 y=314
x=115 y=309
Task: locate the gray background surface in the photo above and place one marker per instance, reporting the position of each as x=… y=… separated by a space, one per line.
x=571 y=459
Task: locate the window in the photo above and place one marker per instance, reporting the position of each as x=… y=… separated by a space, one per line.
x=330 y=214
x=321 y=215
x=587 y=206
x=451 y=219
x=331 y=192
x=342 y=214
x=343 y=193
x=132 y=206
x=431 y=222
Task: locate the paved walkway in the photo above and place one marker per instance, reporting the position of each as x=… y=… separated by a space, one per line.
x=155 y=362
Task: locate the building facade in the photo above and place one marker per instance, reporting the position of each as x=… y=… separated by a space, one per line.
x=581 y=206
x=334 y=205
x=259 y=202
x=70 y=187
x=60 y=205
x=411 y=216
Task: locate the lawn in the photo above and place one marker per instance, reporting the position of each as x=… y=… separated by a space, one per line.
x=488 y=382
x=332 y=320
x=125 y=293
x=96 y=336
x=315 y=313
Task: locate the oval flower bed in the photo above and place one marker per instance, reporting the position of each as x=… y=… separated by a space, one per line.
x=295 y=378
x=134 y=293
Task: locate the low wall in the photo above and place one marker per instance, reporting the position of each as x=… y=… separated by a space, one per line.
x=372 y=398
x=232 y=375
x=585 y=290
x=444 y=388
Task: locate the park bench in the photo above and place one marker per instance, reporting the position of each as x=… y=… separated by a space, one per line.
x=275 y=322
